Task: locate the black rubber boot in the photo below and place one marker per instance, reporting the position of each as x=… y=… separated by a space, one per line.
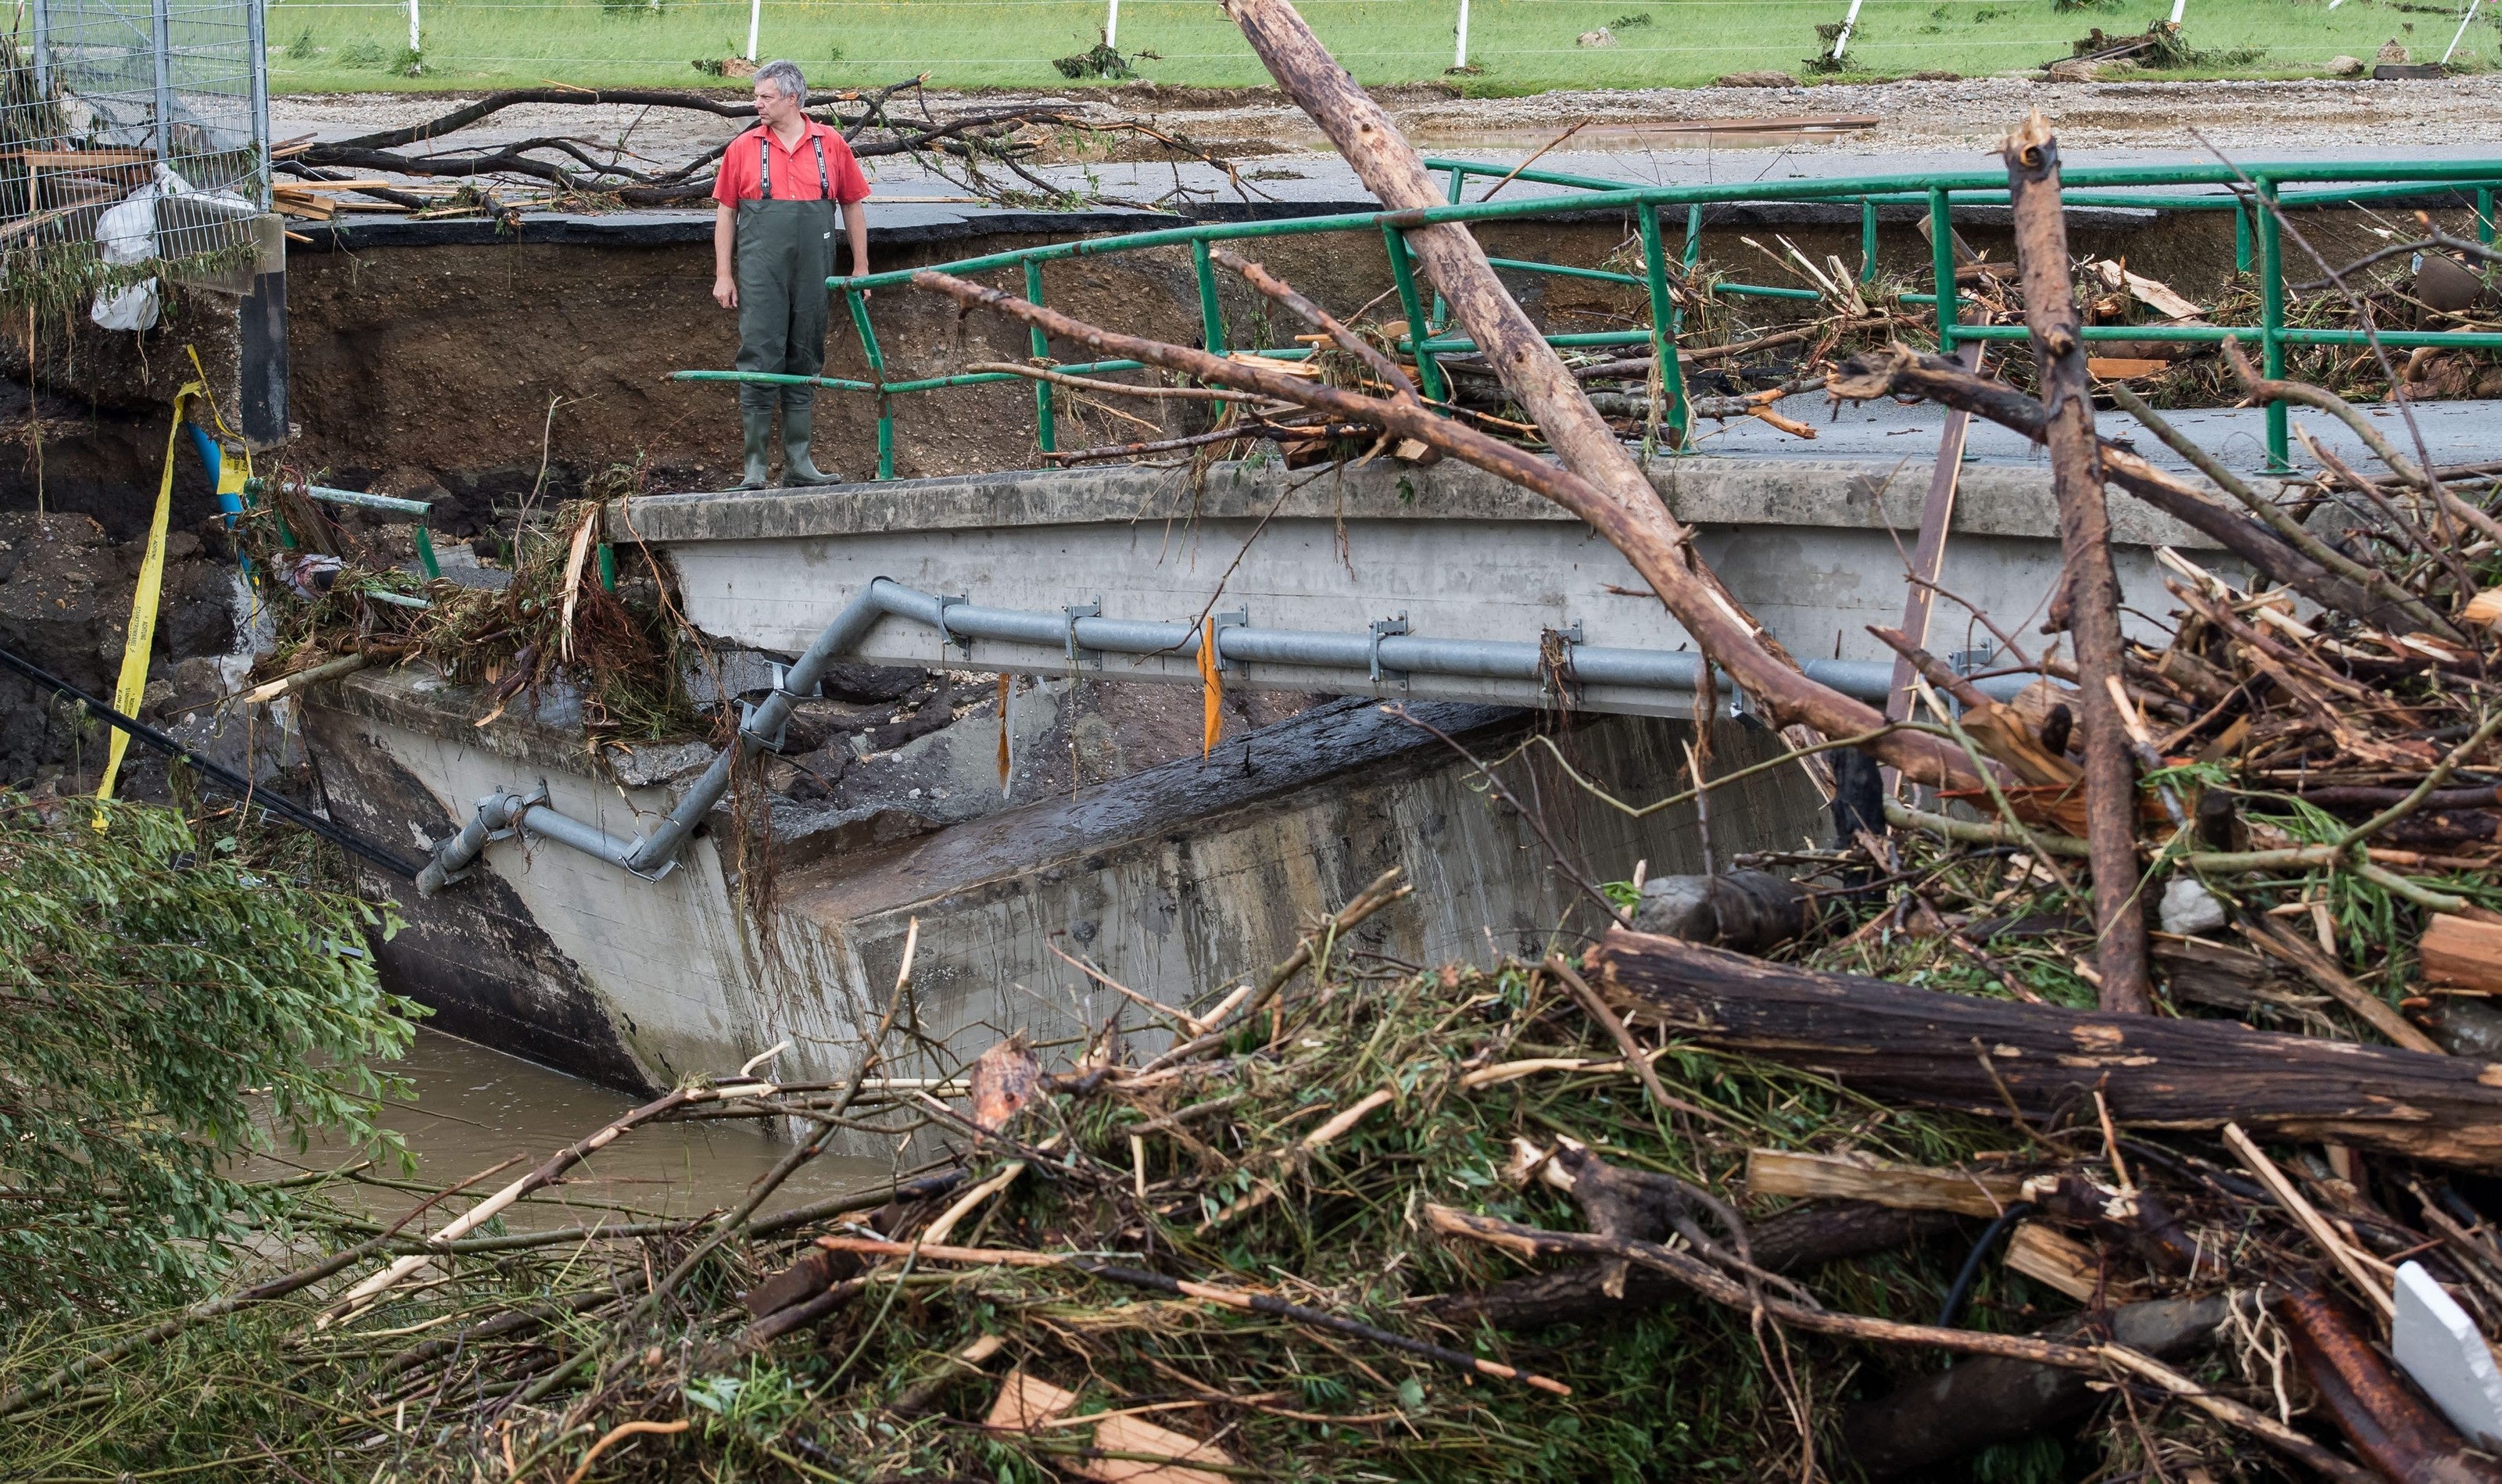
x=758 y=424
x=798 y=419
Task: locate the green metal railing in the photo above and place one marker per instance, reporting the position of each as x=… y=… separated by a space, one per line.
x=2244 y=192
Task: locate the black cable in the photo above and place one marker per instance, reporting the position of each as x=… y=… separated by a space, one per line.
x=235 y=783
x=1953 y=1306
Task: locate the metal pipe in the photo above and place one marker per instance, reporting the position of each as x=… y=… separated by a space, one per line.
x=1355 y=662
x=654 y=853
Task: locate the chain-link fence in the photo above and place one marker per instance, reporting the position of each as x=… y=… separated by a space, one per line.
x=135 y=132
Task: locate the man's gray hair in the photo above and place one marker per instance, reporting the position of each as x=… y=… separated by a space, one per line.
x=786 y=78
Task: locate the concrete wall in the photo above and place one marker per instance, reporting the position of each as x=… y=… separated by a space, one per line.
x=1175 y=880
x=1815 y=548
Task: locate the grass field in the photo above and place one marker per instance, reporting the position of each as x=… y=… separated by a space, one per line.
x=1521 y=46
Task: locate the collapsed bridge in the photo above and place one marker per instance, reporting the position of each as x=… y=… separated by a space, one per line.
x=637 y=945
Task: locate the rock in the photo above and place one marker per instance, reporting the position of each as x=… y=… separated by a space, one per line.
x=815 y=722
x=650 y=763
x=2075 y=69
x=2446 y=284
x=1757 y=80
x=847 y=681
x=2189 y=908
x=1745 y=911
x=1601 y=37
x=2347 y=66
x=2391 y=54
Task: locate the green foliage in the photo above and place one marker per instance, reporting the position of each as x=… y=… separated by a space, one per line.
x=303 y=48
x=365 y=55
x=163 y=1008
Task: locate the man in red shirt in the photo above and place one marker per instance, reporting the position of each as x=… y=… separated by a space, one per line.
x=781 y=187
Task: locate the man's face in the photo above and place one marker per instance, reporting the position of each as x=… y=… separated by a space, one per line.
x=776 y=108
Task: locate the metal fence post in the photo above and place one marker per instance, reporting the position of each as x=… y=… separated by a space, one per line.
x=1664 y=326
x=43 y=51
x=1866 y=242
x=877 y=373
x=257 y=38
x=2241 y=234
x=1693 y=236
x=1429 y=376
x=2272 y=322
x=2484 y=215
x=161 y=33
x=1211 y=318
x=1942 y=266
x=1044 y=432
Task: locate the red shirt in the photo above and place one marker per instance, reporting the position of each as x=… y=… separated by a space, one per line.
x=795 y=169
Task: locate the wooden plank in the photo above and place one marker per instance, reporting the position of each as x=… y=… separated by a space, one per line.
x=1903 y=1186
x=1136 y=1435
x=81 y=159
x=2058 y=1261
x=2462 y=953
x=2120 y=368
x=1918 y=1045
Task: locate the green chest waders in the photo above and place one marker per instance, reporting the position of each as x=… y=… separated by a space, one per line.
x=785 y=254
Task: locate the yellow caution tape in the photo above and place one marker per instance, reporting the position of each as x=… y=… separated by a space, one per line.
x=141 y=637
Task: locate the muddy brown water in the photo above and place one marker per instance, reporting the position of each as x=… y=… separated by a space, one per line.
x=475 y=1107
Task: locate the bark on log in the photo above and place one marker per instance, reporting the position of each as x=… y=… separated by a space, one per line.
x=2090 y=582
x=2389 y=1425
x=1977 y=1055
x=1793 y=1242
x=1624 y=509
x=1993 y=1400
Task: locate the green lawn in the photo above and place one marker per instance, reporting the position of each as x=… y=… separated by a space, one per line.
x=1522 y=45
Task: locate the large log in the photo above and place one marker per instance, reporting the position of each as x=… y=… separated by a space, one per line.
x=1609 y=490
x=1958 y=1051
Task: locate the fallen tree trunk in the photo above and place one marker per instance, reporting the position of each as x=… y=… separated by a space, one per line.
x=1794 y=1241
x=1994 y=1400
x=1611 y=492
x=1985 y=1055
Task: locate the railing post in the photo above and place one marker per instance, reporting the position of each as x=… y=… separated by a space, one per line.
x=1429 y=376
x=2241 y=234
x=877 y=373
x=1664 y=326
x=1441 y=313
x=1866 y=242
x=1942 y=266
x=1211 y=318
x=2484 y=215
x=2272 y=322
x=1044 y=433
x=1693 y=236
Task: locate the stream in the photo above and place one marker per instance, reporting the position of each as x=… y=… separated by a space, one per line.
x=475 y=1107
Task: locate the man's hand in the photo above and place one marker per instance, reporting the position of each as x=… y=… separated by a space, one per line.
x=724 y=291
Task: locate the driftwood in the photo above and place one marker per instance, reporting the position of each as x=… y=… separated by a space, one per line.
x=1794 y=1241
x=1605 y=487
x=1901 y=371
x=1987 y=1056
x=2389 y=1425
x=2088 y=595
x=1994 y=1400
